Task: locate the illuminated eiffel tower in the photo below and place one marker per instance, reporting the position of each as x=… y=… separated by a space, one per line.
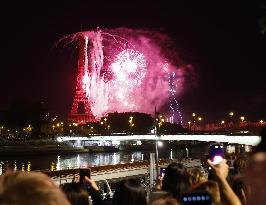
x=81 y=108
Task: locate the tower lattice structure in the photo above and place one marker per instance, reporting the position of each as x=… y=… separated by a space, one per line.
x=81 y=108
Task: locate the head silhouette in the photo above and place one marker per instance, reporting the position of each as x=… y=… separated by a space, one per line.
x=32 y=188
x=175 y=180
x=129 y=192
x=75 y=193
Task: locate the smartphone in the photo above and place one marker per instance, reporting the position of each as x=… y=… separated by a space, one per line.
x=196 y=198
x=216 y=154
x=162 y=171
x=83 y=173
x=105 y=188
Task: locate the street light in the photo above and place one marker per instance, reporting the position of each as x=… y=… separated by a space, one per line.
x=160 y=124
x=161 y=121
x=232 y=121
x=199 y=119
x=194 y=121
x=91 y=129
x=131 y=124
x=189 y=125
x=1 y=128
x=130 y=119
x=242 y=118
x=105 y=123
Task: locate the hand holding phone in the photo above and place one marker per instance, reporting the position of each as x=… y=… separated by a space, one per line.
x=83 y=173
x=220 y=170
x=216 y=154
x=162 y=172
x=86 y=180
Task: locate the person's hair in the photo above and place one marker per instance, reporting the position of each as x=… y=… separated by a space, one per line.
x=155 y=195
x=129 y=192
x=165 y=201
x=240 y=164
x=29 y=189
x=195 y=176
x=75 y=193
x=241 y=189
x=211 y=187
x=175 y=180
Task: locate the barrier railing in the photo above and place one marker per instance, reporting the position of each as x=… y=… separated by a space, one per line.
x=70 y=173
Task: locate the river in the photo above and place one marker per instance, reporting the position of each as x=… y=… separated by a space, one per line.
x=69 y=161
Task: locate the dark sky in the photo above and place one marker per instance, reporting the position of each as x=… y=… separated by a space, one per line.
x=221 y=39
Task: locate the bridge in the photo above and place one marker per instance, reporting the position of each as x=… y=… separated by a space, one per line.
x=244 y=139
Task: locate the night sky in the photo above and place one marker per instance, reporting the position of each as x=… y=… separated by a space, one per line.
x=221 y=39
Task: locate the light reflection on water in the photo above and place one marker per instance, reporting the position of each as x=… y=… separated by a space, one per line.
x=87 y=160
x=71 y=161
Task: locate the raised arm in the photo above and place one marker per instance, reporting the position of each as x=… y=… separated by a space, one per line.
x=221 y=172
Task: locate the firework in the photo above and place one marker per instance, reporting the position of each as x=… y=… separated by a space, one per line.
x=129 y=67
x=174 y=105
x=124 y=70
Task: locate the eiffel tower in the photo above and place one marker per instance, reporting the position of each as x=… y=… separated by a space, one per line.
x=81 y=109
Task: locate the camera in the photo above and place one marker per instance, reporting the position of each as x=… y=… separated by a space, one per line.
x=196 y=198
x=216 y=154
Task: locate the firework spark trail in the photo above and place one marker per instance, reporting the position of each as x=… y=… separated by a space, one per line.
x=124 y=70
x=97 y=89
x=85 y=79
x=172 y=91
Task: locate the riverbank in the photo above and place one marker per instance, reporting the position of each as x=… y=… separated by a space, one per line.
x=37 y=150
x=17 y=150
x=43 y=147
x=50 y=147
